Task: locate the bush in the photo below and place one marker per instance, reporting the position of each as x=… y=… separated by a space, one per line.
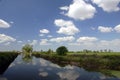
x=27 y=48
x=62 y=50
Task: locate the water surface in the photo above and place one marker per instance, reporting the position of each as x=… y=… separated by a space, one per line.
x=41 y=69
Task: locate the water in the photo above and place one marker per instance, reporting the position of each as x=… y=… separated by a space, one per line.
x=41 y=69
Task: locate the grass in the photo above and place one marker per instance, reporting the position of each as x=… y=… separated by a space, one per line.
x=89 y=61
x=5 y=59
x=92 y=53
x=115 y=73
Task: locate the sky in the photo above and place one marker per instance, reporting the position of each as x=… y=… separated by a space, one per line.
x=48 y=24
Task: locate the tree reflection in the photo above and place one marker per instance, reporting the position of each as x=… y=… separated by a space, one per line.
x=27 y=58
x=27 y=53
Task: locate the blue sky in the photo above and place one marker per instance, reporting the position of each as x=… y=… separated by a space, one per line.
x=76 y=24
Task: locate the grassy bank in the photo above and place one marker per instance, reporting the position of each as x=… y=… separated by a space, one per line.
x=96 y=62
x=93 y=61
x=5 y=59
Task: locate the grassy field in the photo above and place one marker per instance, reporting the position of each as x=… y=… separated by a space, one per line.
x=92 y=53
x=90 y=61
x=115 y=73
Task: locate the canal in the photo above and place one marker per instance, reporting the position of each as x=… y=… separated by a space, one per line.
x=41 y=69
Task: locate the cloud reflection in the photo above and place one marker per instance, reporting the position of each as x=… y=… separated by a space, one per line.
x=69 y=75
x=42 y=69
x=43 y=74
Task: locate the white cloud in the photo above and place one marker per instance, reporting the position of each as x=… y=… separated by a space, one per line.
x=117 y=28
x=87 y=39
x=66 y=27
x=34 y=42
x=111 y=44
x=44 y=31
x=105 y=29
x=44 y=42
x=5 y=38
x=104 y=43
x=95 y=44
x=62 y=39
x=4 y=24
x=64 y=8
x=108 y=5
x=79 y=9
x=41 y=35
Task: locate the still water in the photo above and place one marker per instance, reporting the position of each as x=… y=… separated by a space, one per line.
x=41 y=69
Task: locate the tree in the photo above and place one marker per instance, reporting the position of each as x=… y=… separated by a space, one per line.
x=49 y=51
x=27 y=48
x=62 y=50
x=27 y=51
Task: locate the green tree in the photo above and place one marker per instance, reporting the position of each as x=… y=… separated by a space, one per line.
x=27 y=48
x=49 y=51
x=62 y=50
x=27 y=51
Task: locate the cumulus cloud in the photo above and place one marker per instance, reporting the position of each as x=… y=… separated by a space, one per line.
x=62 y=39
x=4 y=24
x=64 y=8
x=5 y=38
x=44 y=42
x=117 y=28
x=105 y=29
x=44 y=31
x=86 y=39
x=80 y=10
x=84 y=42
x=108 y=5
x=110 y=44
x=66 y=27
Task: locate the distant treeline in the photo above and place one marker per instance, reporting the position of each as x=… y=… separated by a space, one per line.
x=81 y=51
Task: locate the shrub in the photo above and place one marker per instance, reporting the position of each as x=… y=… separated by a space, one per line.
x=62 y=50
x=27 y=48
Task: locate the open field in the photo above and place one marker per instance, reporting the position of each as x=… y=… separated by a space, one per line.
x=92 y=53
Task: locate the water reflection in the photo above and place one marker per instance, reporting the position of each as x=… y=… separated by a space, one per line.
x=27 y=57
x=41 y=69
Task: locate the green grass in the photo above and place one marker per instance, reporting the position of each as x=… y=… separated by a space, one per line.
x=91 y=53
x=86 y=60
x=115 y=73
